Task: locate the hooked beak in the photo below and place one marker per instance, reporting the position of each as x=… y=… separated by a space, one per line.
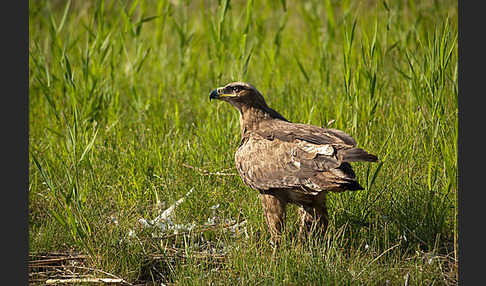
x=222 y=93
x=214 y=94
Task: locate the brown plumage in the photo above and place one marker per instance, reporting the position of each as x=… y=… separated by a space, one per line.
x=290 y=162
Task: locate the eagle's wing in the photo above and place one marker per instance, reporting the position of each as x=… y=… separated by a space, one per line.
x=311 y=137
x=287 y=155
x=288 y=131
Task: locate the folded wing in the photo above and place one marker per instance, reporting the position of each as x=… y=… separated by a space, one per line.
x=288 y=155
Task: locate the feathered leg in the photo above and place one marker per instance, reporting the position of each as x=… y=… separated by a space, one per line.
x=314 y=217
x=274 y=211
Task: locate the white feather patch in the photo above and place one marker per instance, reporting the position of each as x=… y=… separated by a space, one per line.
x=325 y=149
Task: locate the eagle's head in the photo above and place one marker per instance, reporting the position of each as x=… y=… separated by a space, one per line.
x=248 y=100
x=238 y=94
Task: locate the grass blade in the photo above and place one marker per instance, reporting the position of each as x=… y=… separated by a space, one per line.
x=64 y=16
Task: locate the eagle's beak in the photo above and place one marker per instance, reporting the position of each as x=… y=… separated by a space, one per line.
x=221 y=93
x=214 y=94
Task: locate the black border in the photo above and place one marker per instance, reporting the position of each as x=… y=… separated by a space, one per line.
x=471 y=120
x=15 y=159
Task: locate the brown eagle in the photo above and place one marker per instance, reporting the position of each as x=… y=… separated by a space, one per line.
x=290 y=162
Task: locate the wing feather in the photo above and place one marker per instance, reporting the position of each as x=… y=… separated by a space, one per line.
x=266 y=164
x=287 y=131
x=281 y=154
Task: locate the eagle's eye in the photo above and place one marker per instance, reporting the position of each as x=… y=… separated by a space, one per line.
x=236 y=88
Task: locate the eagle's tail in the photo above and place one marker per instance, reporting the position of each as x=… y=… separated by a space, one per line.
x=347 y=177
x=338 y=179
x=356 y=155
x=353 y=186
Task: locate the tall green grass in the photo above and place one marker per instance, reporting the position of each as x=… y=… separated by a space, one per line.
x=121 y=127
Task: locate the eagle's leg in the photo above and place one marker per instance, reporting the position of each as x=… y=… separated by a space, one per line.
x=274 y=211
x=314 y=216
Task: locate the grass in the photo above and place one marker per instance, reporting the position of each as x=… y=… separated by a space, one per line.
x=120 y=127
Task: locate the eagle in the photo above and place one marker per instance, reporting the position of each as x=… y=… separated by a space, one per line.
x=290 y=162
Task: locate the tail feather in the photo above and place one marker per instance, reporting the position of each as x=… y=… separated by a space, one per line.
x=337 y=180
x=356 y=155
x=353 y=186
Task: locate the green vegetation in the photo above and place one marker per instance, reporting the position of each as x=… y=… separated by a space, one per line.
x=121 y=127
